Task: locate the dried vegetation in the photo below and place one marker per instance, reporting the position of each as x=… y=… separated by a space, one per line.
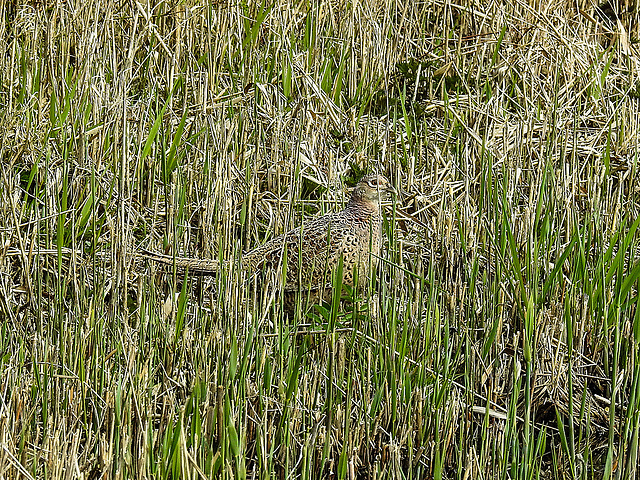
x=500 y=338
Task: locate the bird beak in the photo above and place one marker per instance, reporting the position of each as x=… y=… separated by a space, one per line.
x=392 y=191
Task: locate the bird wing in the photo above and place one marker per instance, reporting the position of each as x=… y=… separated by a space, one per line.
x=311 y=253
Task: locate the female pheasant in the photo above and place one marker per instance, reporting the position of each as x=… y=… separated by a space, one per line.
x=314 y=249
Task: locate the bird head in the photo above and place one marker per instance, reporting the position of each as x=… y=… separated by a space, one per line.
x=372 y=188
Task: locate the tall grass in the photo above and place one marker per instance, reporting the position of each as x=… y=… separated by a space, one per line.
x=499 y=338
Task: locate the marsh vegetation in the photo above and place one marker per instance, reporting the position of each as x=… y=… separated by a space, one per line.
x=499 y=338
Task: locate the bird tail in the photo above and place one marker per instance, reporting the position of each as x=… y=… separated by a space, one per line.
x=196 y=266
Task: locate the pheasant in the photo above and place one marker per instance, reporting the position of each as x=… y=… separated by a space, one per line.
x=315 y=248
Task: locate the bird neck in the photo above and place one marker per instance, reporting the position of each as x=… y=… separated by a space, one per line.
x=362 y=206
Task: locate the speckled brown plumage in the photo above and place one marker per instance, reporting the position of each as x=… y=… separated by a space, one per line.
x=316 y=246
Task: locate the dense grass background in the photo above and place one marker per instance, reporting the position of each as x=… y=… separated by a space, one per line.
x=500 y=337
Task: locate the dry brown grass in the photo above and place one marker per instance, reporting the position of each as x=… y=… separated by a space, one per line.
x=502 y=339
